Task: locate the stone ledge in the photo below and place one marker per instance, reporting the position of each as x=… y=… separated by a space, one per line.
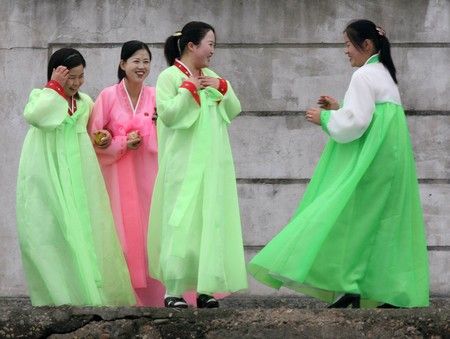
x=240 y=317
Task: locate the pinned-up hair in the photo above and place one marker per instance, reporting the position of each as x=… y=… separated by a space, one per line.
x=193 y=31
x=360 y=30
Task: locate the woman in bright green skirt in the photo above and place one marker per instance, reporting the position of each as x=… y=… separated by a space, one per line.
x=70 y=250
x=359 y=230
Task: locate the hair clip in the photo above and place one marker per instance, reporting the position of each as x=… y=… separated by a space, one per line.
x=380 y=31
x=178 y=33
x=70 y=57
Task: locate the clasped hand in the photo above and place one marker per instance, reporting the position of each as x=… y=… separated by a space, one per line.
x=203 y=81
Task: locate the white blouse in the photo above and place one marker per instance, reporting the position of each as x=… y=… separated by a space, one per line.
x=370 y=84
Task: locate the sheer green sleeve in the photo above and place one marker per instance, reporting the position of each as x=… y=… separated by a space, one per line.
x=46 y=109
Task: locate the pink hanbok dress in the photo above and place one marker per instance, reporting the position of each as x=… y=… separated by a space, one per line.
x=129 y=176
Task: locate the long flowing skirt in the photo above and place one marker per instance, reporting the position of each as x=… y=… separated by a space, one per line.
x=359 y=227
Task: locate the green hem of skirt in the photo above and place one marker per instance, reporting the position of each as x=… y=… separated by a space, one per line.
x=275 y=280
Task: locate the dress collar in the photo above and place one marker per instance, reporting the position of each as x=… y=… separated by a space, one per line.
x=127 y=97
x=373 y=59
x=183 y=68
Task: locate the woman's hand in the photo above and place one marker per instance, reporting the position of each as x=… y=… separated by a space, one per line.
x=206 y=81
x=134 y=140
x=313 y=115
x=195 y=80
x=327 y=102
x=60 y=74
x=102 y=138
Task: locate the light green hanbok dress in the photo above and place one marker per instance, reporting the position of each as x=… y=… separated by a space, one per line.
x=195 y=237
x=70 y=250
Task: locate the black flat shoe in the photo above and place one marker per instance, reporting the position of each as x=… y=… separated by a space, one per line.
x=346 y=300
x=175 y=302
x=386 y=305
x=206 y=301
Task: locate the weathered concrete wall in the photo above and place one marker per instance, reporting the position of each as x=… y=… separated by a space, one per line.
x=279 y=56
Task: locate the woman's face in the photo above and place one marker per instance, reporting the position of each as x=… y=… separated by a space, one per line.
x=204 y=51
x=75 y=80
x=137 y=66
x=357 y=57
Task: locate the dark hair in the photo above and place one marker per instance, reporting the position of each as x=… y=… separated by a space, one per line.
x=67 y=57
x=360 y=30
x=128 y=49
x=193 y=31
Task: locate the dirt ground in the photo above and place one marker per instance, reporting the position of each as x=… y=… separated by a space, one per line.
x=238 y=317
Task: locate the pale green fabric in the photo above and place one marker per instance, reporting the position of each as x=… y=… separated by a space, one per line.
x=70 y=250
x=195 y=240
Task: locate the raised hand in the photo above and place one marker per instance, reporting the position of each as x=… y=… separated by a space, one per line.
x=195 y=80
x=60 y=74
x=327 y=102
x=206 y=81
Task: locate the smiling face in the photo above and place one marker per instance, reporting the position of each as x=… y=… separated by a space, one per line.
x=204 y=51
x=137 y=66
x=75 y=80
x=358 y=56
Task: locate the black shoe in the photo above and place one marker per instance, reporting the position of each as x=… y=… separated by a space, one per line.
x=386 y=305
x=346 y=300
x=175 y=302
x=206 y=301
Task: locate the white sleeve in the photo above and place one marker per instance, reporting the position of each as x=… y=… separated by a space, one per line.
x=351 y=121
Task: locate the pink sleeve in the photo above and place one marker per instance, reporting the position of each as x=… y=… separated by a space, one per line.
x=98 y=120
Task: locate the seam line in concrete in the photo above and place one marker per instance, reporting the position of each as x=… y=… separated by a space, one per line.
x=429 y=248
x=300 y=113
x=249 y=45
x=22 y=47
x=289 y=181
x=270 y=181
x=329 y=45
x=99 y=44
x=439 y=248
x=434 y=181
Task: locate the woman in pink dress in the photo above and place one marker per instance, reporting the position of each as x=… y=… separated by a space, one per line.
x=123 y=130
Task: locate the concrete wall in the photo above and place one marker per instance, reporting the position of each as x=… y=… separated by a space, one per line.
x=279 y=56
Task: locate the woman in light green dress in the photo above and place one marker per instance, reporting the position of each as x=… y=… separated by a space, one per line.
x=70 y=251
x=359 y=229
x=195 y=240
